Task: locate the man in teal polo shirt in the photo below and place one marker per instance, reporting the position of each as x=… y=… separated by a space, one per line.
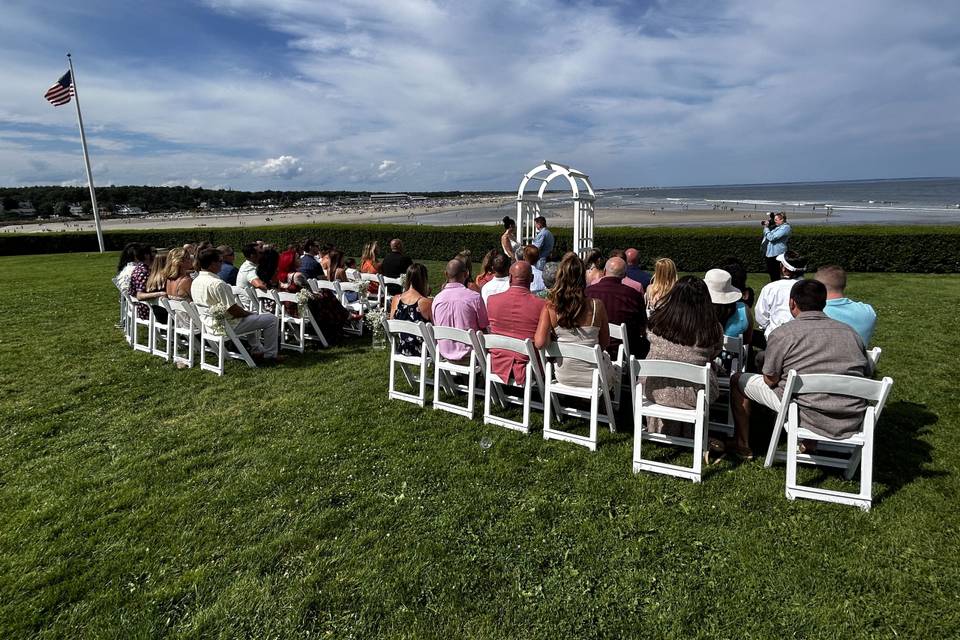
x=858 y=315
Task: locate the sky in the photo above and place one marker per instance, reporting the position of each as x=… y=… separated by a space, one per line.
x=414 y=95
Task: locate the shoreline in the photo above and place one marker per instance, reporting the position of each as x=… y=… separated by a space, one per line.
x=487 y=211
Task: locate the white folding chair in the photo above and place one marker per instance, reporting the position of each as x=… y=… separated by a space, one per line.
x=136 y=322
x=298 y=329
x=266 y=301
x=599 y=388
x=354 y=327
x=735 y=352
x=373 y=299
x=317 y=286
x=619 y=332
x=220 y=345
x=496 y=388
x=162 y=332
x=382 y=294
x=645 y=408
x=246 y=297
x=444 y=370
x=393 y=329
x=186 y=329
x=124 y=323
x=859 y=446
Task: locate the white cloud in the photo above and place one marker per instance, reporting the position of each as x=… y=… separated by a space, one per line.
x=282 y=167
x=470 y=96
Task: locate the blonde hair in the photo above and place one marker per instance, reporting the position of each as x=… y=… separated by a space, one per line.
x=175 y=258
x=664 y=277
x=369 y=252
x=157 y=280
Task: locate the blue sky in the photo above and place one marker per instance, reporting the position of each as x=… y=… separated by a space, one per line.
x=430 y=94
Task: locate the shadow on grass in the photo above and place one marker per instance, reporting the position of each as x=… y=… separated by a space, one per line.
x=900 y=455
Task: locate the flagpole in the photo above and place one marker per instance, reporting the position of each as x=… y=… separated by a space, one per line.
x=86 y=156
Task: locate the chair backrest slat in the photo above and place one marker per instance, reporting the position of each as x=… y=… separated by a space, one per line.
x=687 y=372
x=405 y=326
x=842 y=385
x=452 y=333
x=573 y=351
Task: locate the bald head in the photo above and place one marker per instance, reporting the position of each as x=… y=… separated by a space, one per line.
x=396 y=246
x=455 y=271
x=615 y=267
x=521 y=274
x=633 y=257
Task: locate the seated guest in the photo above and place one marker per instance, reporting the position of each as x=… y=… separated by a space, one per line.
x=228 y=273
x=773 y=305
x=247 y=277
x=635 y=270
x=459 y=307
x=594 y=265
x=683 y=329
x=623 y=304
x=569 y=316
x=395 y=264
x=288 y=258
x=325 y=308
x=664 y=277
x=334 y=270
x=350 y=267
x=549 y=279
x=128 y=260
x=627 y=280
x=858 y=315
x=143 y=259
x=157 y=282
x=208 y=289
x=178 y=275
x=531 y=255
x=731 y=313
x=309 y=264
x=369 y=264
x=500 y=282
x=514 y=313
x=486 y=269
x=812 y=343
x=415 y=305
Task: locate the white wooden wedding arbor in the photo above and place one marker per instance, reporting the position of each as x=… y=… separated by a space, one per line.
x=528 y=203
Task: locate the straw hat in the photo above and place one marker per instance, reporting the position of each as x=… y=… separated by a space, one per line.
x=721 y=291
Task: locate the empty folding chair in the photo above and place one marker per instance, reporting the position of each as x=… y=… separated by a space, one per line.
x=645 y=408
x=124 y=323
x=444 y=371
x=416 y=379
x=848 y=453
x=598 y=389
x=221 y=347
x=296 y=330
x=505 y=392
x=733 y=357
x=266 y=301
x=247 y=298
x=136 y=322
x=619 y=332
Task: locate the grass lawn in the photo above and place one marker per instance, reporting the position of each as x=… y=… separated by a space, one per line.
x=139 y=501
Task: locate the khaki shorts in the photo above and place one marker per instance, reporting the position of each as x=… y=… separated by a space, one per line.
x=753 y=386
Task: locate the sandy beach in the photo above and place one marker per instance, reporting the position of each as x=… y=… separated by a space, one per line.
x=479 y=211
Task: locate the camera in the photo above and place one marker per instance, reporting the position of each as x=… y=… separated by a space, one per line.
x=771 y=215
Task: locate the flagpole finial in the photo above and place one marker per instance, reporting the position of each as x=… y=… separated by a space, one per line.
x=68 y=54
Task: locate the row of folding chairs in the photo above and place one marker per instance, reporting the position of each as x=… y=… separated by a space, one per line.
x=541 y=392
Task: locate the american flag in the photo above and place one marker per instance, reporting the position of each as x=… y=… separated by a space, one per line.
x=61 y=92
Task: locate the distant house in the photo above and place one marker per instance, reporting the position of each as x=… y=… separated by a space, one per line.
x=313 y=201
x=127 y=210
x=76 y=209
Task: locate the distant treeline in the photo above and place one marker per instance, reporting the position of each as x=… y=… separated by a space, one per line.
x=57 y=200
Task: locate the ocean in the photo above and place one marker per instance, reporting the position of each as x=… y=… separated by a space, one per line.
x=899 y=201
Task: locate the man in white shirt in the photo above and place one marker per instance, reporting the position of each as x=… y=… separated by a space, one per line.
x=247 y=277
x=773 y=304
x=501 y=279
x=531 y=254
x=208 y=289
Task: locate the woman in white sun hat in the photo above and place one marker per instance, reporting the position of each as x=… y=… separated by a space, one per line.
x=726 y=298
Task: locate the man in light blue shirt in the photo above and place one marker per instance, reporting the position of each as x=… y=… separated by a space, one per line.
x=775 y=237
x=543 y=241
x=858 y=315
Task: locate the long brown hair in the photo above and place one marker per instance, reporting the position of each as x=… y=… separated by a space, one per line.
x=569 y=295
x=417 y=279
x=686 y=316
x=157 y=280
x=175 y=258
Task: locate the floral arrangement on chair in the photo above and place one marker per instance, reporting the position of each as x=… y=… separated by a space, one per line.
x=374 y=319
x=304 y=296
x=218 y=319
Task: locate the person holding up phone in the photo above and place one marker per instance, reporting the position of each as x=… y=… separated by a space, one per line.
x=776 y=233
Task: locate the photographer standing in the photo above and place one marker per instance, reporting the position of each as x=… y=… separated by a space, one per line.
x=776 y=233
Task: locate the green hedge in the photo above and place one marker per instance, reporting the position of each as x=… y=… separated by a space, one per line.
x=916 y=249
